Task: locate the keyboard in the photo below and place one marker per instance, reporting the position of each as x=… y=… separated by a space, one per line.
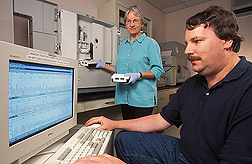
x=86 y=141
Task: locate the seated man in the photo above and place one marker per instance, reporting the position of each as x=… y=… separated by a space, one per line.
x=213 y=107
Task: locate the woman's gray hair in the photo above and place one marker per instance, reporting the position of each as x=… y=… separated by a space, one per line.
x=136 y=11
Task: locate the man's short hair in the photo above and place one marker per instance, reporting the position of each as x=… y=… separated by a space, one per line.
x=223 y=22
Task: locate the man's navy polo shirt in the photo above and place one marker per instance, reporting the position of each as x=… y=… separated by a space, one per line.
x=217 y=122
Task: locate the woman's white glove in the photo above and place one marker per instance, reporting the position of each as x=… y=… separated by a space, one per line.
x=99 y=64
x=133 y=77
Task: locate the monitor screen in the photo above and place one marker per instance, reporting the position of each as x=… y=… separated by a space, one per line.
x=40 y=96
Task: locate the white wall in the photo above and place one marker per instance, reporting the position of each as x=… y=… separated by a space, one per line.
x=175 y=21
x=245 y=24
x=157 y=17
x=6 y=21
x=84 y=6
x=175 y=25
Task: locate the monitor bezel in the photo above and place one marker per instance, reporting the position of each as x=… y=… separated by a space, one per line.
x=25 y=149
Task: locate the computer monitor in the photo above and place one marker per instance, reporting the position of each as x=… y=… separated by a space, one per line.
x=38 y=100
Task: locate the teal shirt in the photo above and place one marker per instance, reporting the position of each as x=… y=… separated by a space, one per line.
x=142 y=55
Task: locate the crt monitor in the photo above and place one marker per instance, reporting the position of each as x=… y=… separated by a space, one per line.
x=38 y=100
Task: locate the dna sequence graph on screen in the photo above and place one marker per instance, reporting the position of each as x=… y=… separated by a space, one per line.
x=39 y=97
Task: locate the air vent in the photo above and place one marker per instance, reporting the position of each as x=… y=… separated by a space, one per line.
x=242 y=7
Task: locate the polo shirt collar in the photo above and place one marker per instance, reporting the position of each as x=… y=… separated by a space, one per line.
x=234 y=74
x=238 y=70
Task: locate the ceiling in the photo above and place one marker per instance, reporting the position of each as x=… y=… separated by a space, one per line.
x=167 y=6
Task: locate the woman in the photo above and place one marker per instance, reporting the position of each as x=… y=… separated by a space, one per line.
x=139 y=58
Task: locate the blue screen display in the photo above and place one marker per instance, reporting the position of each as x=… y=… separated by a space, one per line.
x=40 y=96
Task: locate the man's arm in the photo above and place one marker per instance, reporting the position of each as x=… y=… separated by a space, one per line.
x=238 y=143
x=149 y=123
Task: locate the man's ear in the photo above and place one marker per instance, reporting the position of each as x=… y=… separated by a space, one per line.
x=228 y=44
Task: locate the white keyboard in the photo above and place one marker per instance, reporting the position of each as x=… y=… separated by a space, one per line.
x=86 y=141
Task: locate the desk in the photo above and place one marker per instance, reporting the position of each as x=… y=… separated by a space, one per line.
x=95 y=104
x=164 y=95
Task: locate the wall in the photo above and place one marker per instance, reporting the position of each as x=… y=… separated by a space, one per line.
x=84 y=6
x=90 y=7
x=6 y=21
x=157 y=17
x=245 y=24
x=175 y=21
x=166 y=27
x=175 y=25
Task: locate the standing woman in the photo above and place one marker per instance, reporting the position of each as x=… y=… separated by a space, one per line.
x=138 y=57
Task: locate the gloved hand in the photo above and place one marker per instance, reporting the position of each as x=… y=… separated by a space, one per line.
x=133 y=77
x=99 y=64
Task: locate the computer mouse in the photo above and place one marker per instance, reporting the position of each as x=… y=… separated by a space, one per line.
x=94 y=126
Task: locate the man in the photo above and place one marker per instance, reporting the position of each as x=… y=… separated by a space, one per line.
x=213 y=107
